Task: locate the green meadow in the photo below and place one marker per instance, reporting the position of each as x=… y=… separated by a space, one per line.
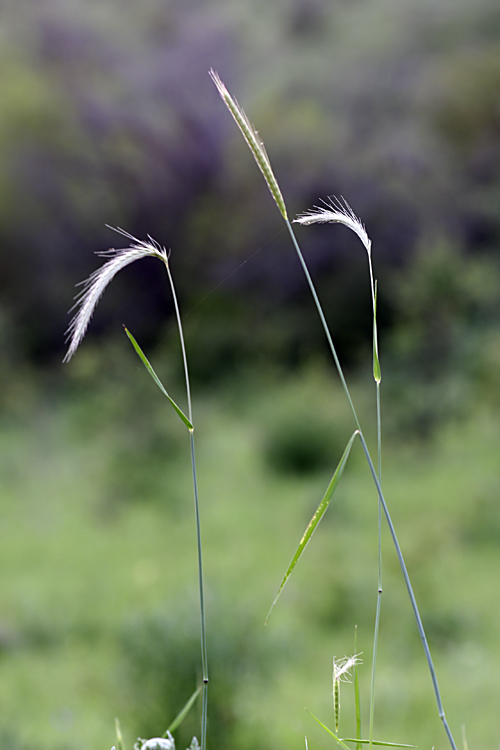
x=98 y=558
x=382 y=115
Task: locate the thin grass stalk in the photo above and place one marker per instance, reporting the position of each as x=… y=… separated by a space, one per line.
x=86 y=301
x=376 y=631
x=379 y=580
x=413 y=601
x=257 y=147
x=204 y=658
x=181 y=337
x=323 y=322
x=357 y=700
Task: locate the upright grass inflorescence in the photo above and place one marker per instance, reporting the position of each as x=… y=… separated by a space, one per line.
x=338 y=212
x=86 y=303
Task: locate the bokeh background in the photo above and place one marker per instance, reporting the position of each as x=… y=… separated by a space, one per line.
x=108 y=117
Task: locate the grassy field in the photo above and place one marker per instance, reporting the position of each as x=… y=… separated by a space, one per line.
x=98 y=602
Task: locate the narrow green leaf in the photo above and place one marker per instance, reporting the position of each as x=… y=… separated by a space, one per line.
x=119 y=738
x=377 y=373
x=337 y=739
x=157 y=380
x=183 y=712
x=357 y=700
x=318 y=515
x=343 y=740
x=378 y=742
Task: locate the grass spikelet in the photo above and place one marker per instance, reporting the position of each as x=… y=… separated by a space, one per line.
x=341 y=673
x=94 y=286
x=253 y=140
x=337 y=212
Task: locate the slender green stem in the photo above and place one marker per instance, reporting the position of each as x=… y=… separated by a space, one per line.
x=323 y=321
x=376 y=372
x=357 y=701
x=399 y=554
x=204 y=660
x=204 y=664
x=379 y=435
x=183 y=346
x=379 y=571
x=413 y=601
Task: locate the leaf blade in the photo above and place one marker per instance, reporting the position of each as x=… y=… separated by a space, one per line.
x=318 y=515
x=119 y=738
x=343 y=740
x=156 y=379
x=337 y=739
x=183 y=712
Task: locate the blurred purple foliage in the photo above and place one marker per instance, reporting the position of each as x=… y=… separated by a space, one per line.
x=109 y=117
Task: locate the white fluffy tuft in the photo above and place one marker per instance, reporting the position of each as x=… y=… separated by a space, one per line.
x=94 y=286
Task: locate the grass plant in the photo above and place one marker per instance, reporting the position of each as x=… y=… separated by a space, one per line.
x=338 y=213
x=91 y=572
x=92 y=291
x=332 y=211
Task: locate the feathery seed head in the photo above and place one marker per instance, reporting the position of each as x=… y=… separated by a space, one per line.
x=342 y=667
x=253 y=140
x=94 y=286
x=340 y=212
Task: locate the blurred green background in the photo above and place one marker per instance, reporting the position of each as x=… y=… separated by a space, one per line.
x=108 y=116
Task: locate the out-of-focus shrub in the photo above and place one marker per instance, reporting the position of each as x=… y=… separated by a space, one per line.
x=108 y=116
x=306 y=427
x=161 y=671
x=301 y=443
x=445 y=303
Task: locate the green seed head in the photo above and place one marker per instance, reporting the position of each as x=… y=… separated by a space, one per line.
x=253 y=140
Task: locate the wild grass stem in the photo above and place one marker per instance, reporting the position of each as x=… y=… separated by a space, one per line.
x=323 y=322
x=413 y=601
x=357 y=699
x=377 y=375
x=382 y=501
x=87 y=300
x=379 y=576
x=342 y=214
x=203 y=632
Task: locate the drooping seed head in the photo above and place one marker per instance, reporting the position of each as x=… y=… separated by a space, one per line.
x=339 y=212
x=94 y=286
x=253 y=140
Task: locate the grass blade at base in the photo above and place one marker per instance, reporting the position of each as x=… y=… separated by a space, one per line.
x=119 y=738
x=337 y=739
x=318 y=515
x=182 y=713
x=357 y=699
x=155 y=377
x=342 y=741
x=378 y=742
